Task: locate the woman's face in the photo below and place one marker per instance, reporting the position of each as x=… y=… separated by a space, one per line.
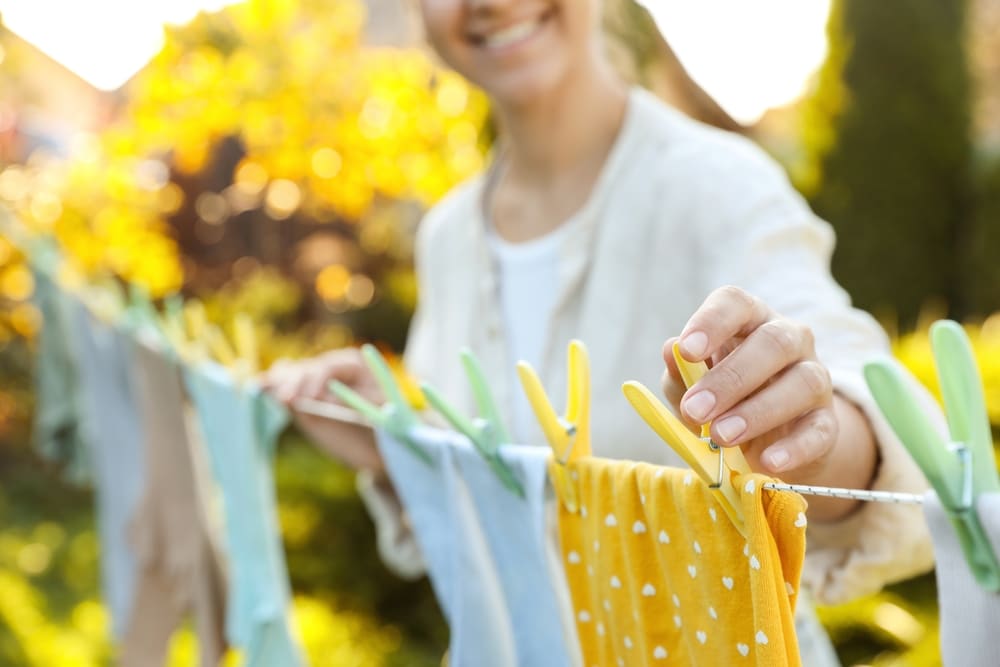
x=515 y=50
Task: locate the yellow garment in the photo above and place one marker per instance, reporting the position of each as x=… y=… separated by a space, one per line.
x=657 y=572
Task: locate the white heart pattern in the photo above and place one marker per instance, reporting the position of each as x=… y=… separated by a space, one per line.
x=746 y=549
x=702 y=637
x=789 y=588
x=677 y=620
x=659 y=653
x=615 y=582
x=692 y=570
x=697 y=547
x=711 y=513
x=754 y=563
x=597 y=545
x=590 y=570
x=688 y=479
x=628 y=642
x=642 y=499
x=638 y=527
x=648 y=590
x=711 y=612
x=607 y=605
x=677 y=600
x=584 y=616
x=583 y=511
x=663 y=537
x=610 y=520
x=743 y=649
x=600 y=629
x=573 y=557
x=727 y=582
x=750 y=486
x=761 y=638
x=800 y=520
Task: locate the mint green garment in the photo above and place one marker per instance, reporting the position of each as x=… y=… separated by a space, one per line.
x=240 y=426
x=58 y=432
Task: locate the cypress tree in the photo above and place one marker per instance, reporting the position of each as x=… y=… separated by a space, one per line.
x=887 y=134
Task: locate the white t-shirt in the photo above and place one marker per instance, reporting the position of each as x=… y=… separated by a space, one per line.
x=528 y=283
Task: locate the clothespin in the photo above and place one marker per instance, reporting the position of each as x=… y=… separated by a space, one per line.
x=172 y=324
x=486 y=432
x=964 y=467
x=247 y=350
x=715 y=470
x=395 y=416
x=196 y=325
x=569 y=435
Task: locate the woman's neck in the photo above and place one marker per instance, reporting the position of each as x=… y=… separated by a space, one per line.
x=577 y=122
x=553 y=152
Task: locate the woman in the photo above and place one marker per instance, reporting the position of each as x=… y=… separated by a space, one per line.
x=608 y=217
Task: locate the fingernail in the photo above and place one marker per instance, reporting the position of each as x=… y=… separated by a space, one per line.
x=730 y=428
x=698 y=405
x=777 y=458
x=695 y=344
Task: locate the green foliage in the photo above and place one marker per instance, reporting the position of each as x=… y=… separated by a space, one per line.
x=981 y=271
x=887 y=135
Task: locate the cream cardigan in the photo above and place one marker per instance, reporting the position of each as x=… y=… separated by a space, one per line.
x=679 y=210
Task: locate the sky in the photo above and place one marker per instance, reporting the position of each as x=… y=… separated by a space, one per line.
x=749 y=55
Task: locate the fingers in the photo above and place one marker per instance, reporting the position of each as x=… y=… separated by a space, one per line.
x=288 y=380
x=769 y=350
x=798 y=390
x=804 y=448
x=726 y=313
x=671 y=382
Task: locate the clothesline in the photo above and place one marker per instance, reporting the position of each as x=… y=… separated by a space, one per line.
x=344 y=414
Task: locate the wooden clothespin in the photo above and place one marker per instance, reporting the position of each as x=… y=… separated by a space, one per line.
x=963 y=467
x=714 y=465
x=569 y=435
x=486 y=432
x=395 y=416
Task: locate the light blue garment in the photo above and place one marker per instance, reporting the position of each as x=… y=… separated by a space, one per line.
x=451 y=540
x=112 y=429
x=523 y=545
x=58 y=431
x=240 y=426
x=970 y=615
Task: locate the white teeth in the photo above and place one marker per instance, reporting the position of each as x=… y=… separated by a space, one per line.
x=512 y=34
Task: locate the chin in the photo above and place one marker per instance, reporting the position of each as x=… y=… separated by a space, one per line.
x=526 y=87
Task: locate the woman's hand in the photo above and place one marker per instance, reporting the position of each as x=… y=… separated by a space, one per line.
x=288 y=381
x=767 y=392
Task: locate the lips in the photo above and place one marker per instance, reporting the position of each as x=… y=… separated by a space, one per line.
x=511 y=34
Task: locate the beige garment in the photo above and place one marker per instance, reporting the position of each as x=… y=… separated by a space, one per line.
x=679 y=210
x=179 y=570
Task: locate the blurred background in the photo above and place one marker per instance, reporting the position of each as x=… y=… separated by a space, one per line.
x=273 y=158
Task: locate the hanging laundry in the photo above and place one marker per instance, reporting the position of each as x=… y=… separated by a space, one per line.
x=450 y=536
x=178 y=567
x=112 y=429
x=658 y=573
x=57 y=428
x=969 y=614
x=518 y=532
x=240 y=426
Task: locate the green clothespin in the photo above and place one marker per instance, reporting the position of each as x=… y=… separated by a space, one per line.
x=140 y=311
x=486 y=432
x=963 y=468
x=395 y=416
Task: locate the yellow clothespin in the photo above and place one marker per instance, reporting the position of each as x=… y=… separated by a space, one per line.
x=695 y=451
x=247 y=350
x=568 y=436
x=196 y=325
